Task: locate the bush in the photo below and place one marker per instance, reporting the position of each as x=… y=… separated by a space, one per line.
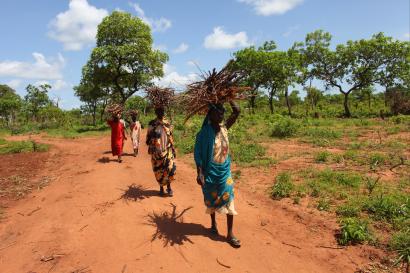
x=353 y=231
x=283 y=186
x=14 y=147
x=285 y=127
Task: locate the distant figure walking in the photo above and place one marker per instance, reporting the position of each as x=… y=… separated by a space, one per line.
x=135 y=132
x=117 y=133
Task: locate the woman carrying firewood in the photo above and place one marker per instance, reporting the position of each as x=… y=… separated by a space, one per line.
x=211 y=151
x=135 y=131
x=160 y=140
x=214 y=166
x=117 y=131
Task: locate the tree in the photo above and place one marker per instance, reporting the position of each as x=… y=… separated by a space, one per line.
x=365 y=95
x=90 y=90
x=349 y=67
x=36 y=99
x=256 y=64
x=313 y=96
x=10 y=103
x=124 y=55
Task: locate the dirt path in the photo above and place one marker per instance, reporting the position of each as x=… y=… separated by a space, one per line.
x=87 y=221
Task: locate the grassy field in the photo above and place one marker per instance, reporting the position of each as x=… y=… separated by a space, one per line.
x=356 y=169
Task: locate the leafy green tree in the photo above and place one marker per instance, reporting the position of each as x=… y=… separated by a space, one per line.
x=350 y=67
x=36 y=99
x=124 y=55
x=10 y=104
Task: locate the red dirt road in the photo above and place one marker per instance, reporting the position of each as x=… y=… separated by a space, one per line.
x=87 y=221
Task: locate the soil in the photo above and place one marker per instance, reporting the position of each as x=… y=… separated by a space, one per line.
x=97 y=215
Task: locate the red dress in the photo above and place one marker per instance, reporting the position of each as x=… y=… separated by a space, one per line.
x=117 y=137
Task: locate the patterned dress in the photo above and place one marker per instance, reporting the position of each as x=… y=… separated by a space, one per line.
x=161 y=148
x=212 y=155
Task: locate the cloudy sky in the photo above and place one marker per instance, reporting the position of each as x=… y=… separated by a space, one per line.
x=50 y=40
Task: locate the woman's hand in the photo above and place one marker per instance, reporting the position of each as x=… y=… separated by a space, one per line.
x=200 y=178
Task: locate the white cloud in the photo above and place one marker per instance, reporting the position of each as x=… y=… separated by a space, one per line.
x=59 y=84
x=157 y=25
x=16 y=83
x=290 y=31
x=77 y=27
x=219 y=39
x=173 y=79
x=42 y=68
x=272 y=7
x=183 y=47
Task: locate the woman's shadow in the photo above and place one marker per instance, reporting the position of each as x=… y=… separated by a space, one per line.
x=136 y=193
x=172 y=230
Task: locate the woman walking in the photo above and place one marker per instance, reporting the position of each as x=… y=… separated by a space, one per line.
x=160 y=140
x=214 y=167
x=135 y=132
x=117 y=133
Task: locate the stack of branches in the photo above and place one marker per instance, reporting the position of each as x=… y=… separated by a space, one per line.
x=215 y=87
x=160 y=96
x=132 y=113
x=114 y=109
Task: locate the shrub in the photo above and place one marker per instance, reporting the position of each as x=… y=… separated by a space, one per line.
x=283 y=186
x=353 y=231
x=285 y=127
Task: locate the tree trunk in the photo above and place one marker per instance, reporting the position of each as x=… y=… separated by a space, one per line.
x=271 y=94
x=287 y=102
x=94 y=113
x=347 y=113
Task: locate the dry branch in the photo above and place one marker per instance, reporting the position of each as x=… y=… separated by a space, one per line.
x=215 y=87
x=160 y=97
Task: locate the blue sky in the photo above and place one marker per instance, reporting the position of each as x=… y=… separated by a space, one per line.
x=50 y=40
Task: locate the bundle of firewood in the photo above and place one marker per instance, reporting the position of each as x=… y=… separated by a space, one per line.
x=160 y=96
x=132 y=113
x=215 y=87
x=114 y=109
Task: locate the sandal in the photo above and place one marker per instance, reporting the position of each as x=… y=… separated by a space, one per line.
x=170 y=192
x=214 y=230
x=161 y=192
x=234 y=242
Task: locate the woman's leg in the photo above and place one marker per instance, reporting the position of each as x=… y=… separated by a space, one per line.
x=213 y=222
x=169 y=190
x=233 y=241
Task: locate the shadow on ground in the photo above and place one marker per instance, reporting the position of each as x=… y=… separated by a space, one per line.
x=105 y=160
x=136 y=193
x=172 y=230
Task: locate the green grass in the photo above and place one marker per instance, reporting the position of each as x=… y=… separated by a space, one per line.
x=400 y=243
x=13 y=147
x=283 y=186
x=354 y=231
x=322 y=156
x=285 y=127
